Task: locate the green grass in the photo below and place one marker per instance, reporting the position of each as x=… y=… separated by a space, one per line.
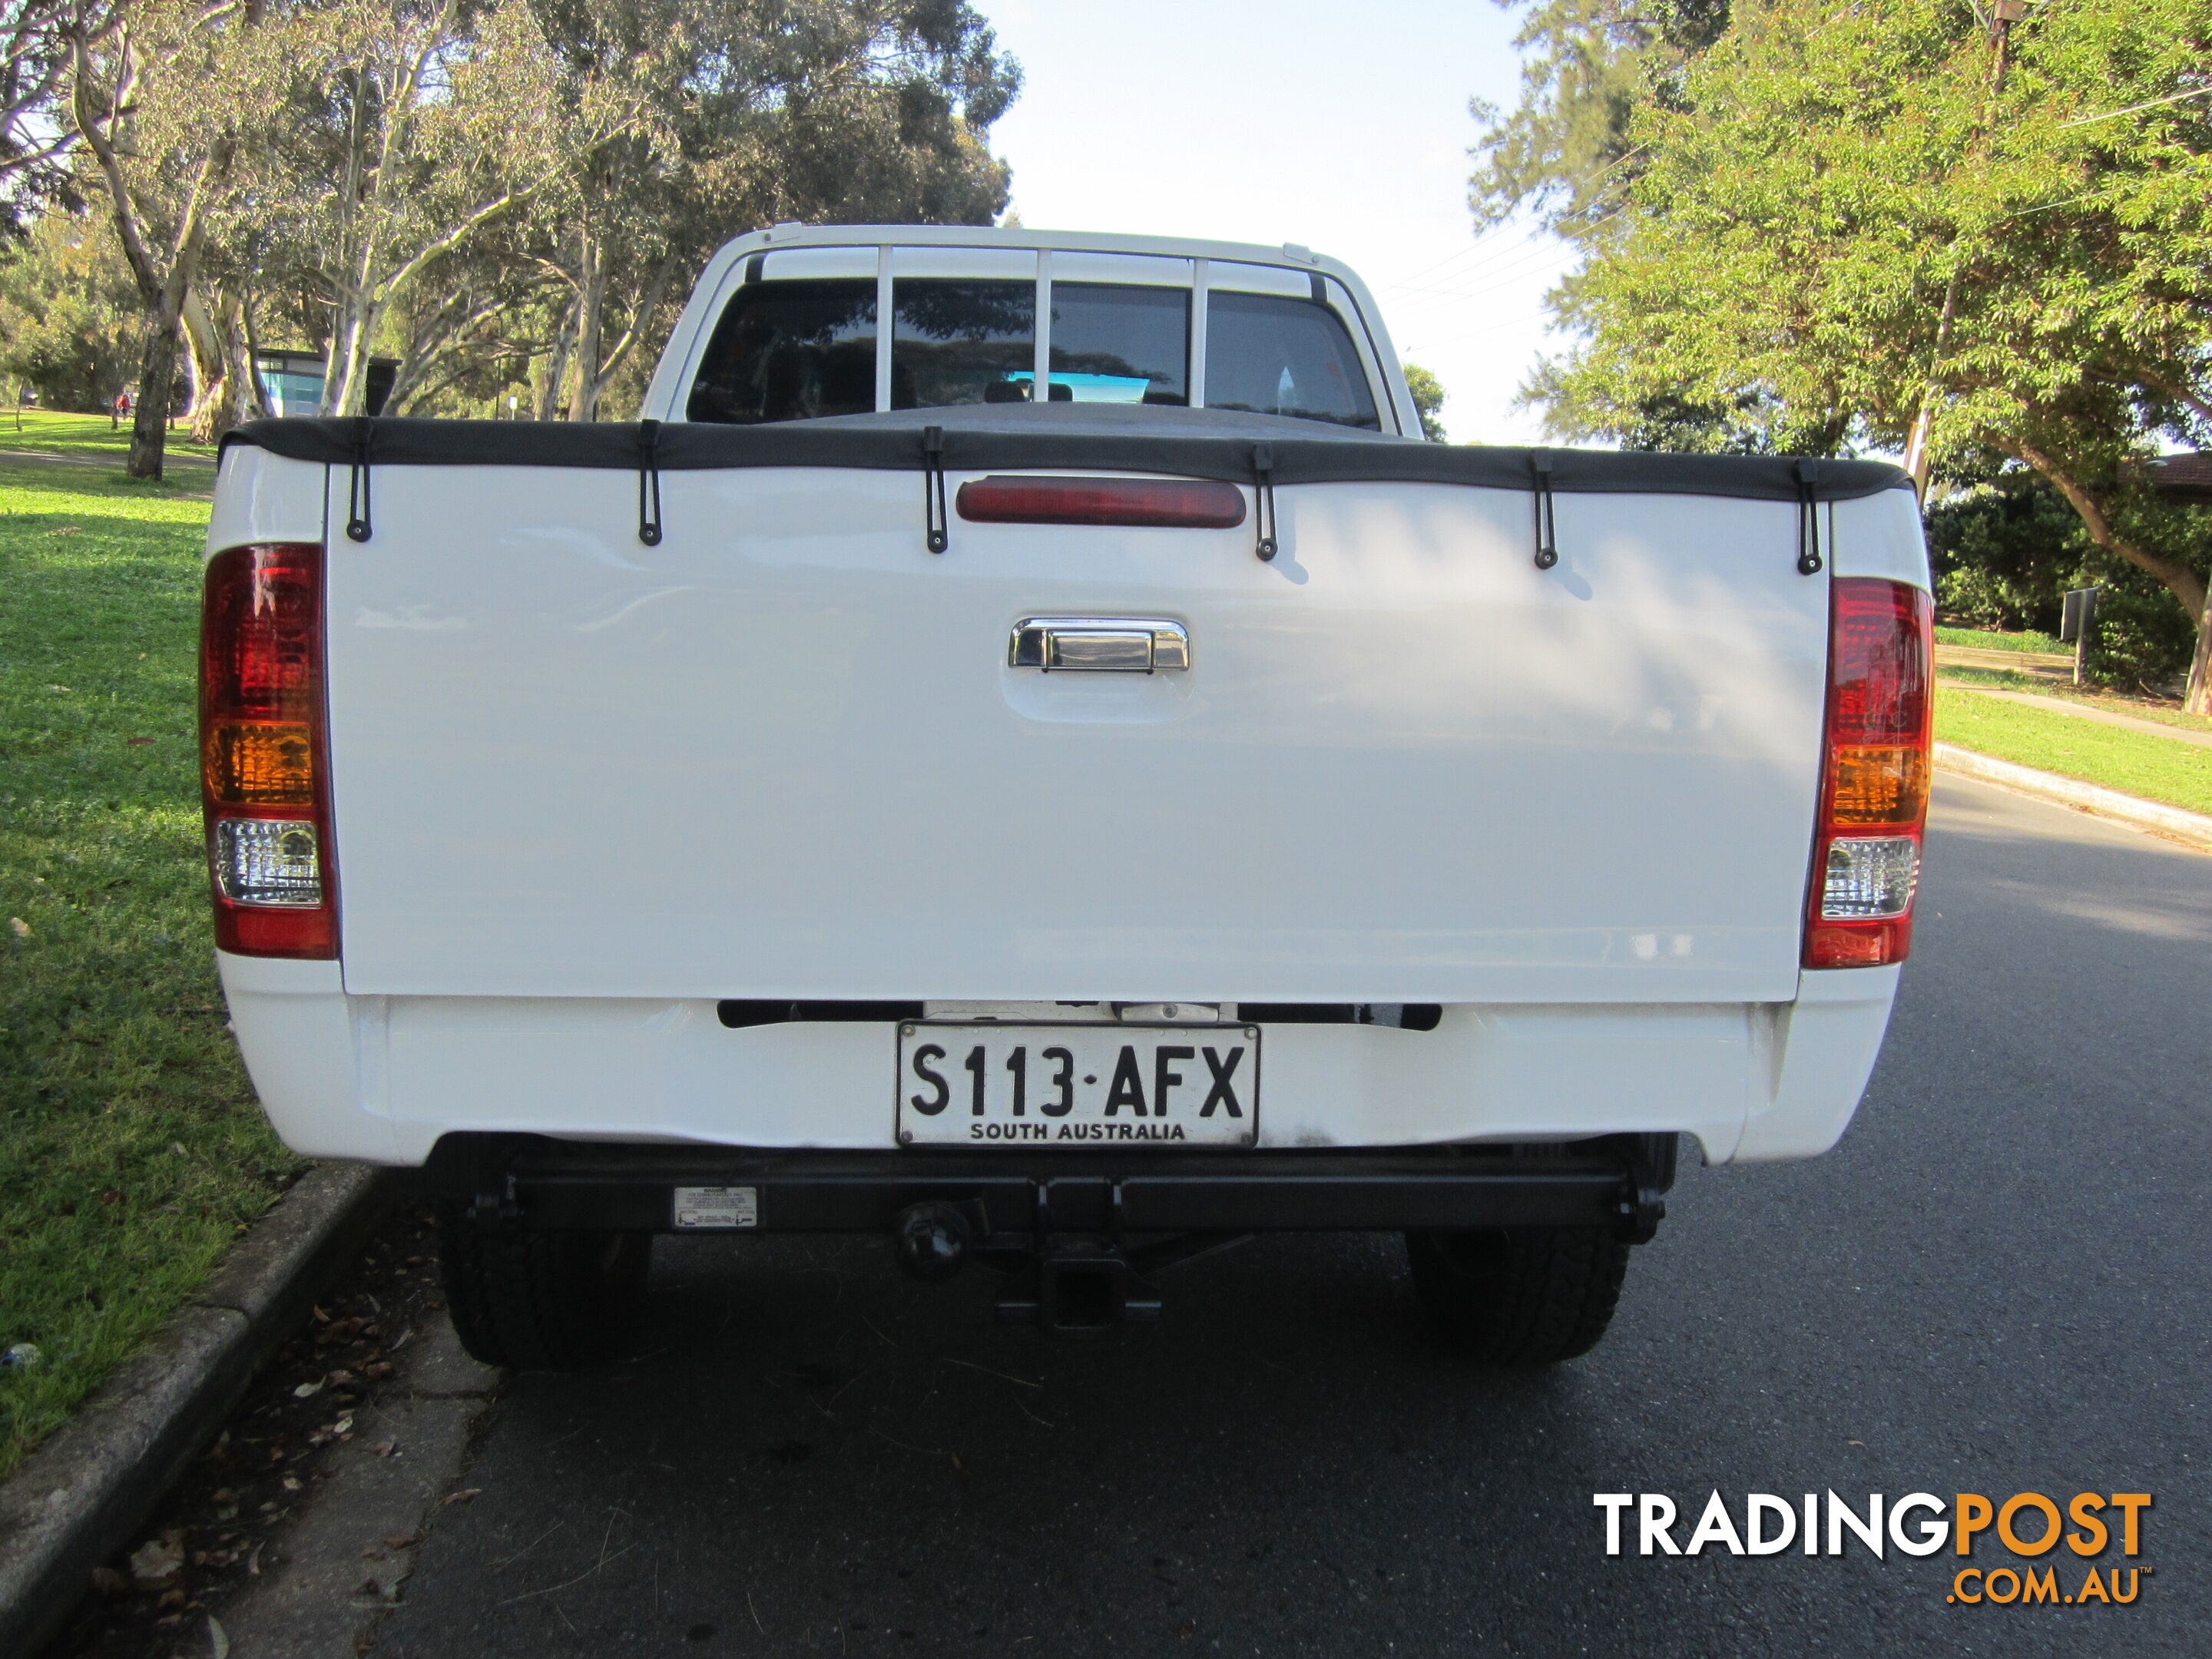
x=2134 y=763
x=2143 y=709
x=131 y=1150
x=1988 y=640
x=83 y=435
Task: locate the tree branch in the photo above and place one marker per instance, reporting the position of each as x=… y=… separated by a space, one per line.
x=111 y=168
x=2175 y=390
x=2182 y=582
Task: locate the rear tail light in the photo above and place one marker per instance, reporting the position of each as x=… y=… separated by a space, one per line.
x=1873 y=790
x=264 y=781
x=1171 y=503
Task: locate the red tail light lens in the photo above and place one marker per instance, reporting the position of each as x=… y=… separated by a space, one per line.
x=1873 y=791
x=264 y=783
x=1171 y=503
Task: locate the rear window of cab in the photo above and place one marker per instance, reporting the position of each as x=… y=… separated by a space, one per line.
x=801 y=337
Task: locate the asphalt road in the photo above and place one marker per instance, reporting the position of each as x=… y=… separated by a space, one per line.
x=1995 y=1284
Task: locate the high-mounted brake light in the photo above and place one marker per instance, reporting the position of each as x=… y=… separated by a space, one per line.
x=1169 y=503
x=264 y=783
x=1873 y=790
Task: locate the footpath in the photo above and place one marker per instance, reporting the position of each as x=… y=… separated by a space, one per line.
x=2084 y=711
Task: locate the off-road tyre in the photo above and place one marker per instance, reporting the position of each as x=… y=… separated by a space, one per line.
x=540 y=1301
x=1521 y=1295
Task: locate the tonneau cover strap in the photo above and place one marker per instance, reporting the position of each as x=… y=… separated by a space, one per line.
x=357 y=506
x=1547 y=528
x=648 y=482
x=1263 y=499
x=935 y=521
x=1809 y=519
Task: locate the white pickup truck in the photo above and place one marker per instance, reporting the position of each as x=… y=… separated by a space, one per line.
x=1067 y=832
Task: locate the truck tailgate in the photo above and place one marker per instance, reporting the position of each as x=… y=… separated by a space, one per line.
x=783 y=753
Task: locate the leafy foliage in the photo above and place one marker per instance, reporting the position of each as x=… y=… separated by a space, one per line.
x=1565 y=150
x=1428 y=394
x=68 y=314
x=1882 y=227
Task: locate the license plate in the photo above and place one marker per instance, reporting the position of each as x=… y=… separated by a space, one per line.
x=1070 y=1086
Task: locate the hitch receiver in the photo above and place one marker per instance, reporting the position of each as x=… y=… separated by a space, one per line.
x=1083 y=1292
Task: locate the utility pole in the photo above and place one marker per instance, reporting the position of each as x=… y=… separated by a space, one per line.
x=2003 y=15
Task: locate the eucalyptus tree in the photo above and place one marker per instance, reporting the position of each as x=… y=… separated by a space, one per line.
x=411 y=132
x=749 y=111
x=164 y=95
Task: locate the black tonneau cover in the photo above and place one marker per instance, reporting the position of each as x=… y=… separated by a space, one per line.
x=1195 y=443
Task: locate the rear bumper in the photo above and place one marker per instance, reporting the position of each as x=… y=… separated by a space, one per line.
x=530 y=1182
x=383 y=1078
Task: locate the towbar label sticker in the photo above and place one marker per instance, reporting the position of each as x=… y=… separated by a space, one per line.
x=717 y=1206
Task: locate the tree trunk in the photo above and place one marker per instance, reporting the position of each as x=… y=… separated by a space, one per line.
x=647 y=305
x=340 y=375
x=2199 y=700
x=219 y=387
x=556 y=366
x=201 y=370
x=591 y=308
x=157 y=369
x=244 y=382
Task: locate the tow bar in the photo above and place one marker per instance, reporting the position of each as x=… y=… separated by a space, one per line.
x=1085 y=1286
x=1079 y=1236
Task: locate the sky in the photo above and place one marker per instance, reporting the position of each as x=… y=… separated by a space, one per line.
x=1342 y=127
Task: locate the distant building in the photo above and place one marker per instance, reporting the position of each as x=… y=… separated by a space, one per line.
x=2184 y=478
x=292 y=381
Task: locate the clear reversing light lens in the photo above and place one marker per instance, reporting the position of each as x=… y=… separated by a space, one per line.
x=1869 y=878
x=271 y=861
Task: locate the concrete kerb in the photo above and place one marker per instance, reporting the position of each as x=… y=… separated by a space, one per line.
x=2173 y=822
x=78 y=1499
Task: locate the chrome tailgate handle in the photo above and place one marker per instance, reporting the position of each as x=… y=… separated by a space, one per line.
x=1110 y=645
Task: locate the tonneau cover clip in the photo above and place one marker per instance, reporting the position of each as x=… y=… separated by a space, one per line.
x=1547 y=528
x=648 y=482
x=934 y=519
x=1809 y=519
x=357 y=511
x=1263 y=500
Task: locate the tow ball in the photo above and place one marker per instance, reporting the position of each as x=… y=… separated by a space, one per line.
x=932 y=1241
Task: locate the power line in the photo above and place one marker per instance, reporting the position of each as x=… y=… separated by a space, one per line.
x=2115 y=114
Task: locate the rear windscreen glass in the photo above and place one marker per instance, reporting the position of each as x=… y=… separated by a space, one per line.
x=961 y=341
x=1273 y=355
x=785 y=351
x=1112 y=344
